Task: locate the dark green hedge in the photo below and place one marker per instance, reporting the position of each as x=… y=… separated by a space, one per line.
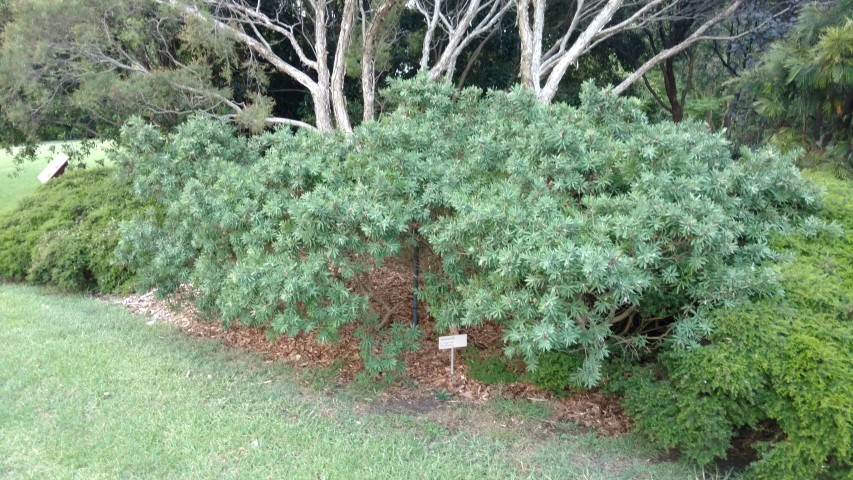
x=781 y=366
x=65 y=233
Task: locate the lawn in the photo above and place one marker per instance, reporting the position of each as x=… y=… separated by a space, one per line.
x=88 y=390
x=18 y=181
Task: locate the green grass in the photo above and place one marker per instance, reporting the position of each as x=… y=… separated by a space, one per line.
x=18 y=181
x=90 y=391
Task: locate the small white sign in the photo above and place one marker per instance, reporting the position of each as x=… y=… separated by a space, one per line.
x=53 y=168
x=452 y=341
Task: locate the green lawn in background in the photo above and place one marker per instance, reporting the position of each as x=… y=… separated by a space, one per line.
x=18 y=181
x=88 y=390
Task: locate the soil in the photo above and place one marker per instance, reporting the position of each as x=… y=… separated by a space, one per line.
x=428 y=368
x=742 y=451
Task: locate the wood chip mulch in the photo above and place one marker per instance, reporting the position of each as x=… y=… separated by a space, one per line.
x=428 y=367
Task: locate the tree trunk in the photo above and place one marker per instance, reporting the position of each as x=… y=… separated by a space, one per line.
x=368 y=57
x=577 y=49
x=446 y=62
x=529 y=66
x=670 y=85
x=339 y=101
x=321 y=95
x=322 y=109
x=432 y=24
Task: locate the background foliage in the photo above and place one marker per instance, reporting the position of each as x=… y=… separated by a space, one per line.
x=804 y=83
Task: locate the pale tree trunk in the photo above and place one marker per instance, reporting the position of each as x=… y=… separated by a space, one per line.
x=433 y=20
x=322 y=108
x=580 y=46
x=249 y=25
x=339 y=101
x=531 y=49
x=368 y=56
x=322 y=95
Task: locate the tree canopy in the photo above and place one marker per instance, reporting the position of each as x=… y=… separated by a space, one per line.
x=80 y=68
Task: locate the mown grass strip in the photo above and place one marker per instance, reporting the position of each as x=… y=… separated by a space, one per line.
x=88 y=390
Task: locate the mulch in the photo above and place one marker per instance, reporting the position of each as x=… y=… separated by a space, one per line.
x=428 y=367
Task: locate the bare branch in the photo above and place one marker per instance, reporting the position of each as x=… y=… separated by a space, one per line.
x=247 y=40
x=289 y=121
x=696 y=36
x=656 y=96
x=254 y=17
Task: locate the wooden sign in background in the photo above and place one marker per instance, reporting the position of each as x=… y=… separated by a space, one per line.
x=54 y=168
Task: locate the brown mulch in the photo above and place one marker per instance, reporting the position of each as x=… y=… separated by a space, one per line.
x=428 y=367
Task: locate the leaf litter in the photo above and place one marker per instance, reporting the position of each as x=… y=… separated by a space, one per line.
x=427 y=368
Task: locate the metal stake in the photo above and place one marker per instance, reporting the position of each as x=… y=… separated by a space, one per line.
x=417 y=264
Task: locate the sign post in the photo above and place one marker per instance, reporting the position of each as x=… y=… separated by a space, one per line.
x=54 y=168
x=452 y=342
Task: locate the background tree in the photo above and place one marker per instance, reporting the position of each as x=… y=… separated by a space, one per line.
x=804 y=84
x=732 y=47
x=313 y=64
x=79 y=69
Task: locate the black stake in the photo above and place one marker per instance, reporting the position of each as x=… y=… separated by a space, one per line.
x=417 y=265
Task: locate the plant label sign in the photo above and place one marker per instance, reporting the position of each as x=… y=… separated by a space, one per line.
x=55 y=168
x=452 y=342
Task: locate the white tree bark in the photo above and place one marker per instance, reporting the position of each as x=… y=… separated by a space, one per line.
x=248 y=24
x=339 y=101
x=591 y=22
x=370 y=37
x=578 y=48
x=460 y=24
x=676 y=49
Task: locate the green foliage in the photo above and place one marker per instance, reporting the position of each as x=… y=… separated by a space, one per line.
x=441 y=395
x=821 y=278
x=382 y=351
x=789 y=363
x=696 y=424
x=65 y=234
x=558 y=372
x=557 y=222
x=72 y=69
x=804 y=85
x=493 y=369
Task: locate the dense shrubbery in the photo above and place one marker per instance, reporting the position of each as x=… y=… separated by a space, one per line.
x=783 y=367
x=66 y=233
x=803 y=85
x=577 y=228
x=555 y=371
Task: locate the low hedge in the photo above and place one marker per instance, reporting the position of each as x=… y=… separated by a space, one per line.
x=782 y=367
x=65 y=234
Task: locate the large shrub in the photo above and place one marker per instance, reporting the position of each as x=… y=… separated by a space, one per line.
x=65 y=233
x=577 y=228
x=781 y=367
